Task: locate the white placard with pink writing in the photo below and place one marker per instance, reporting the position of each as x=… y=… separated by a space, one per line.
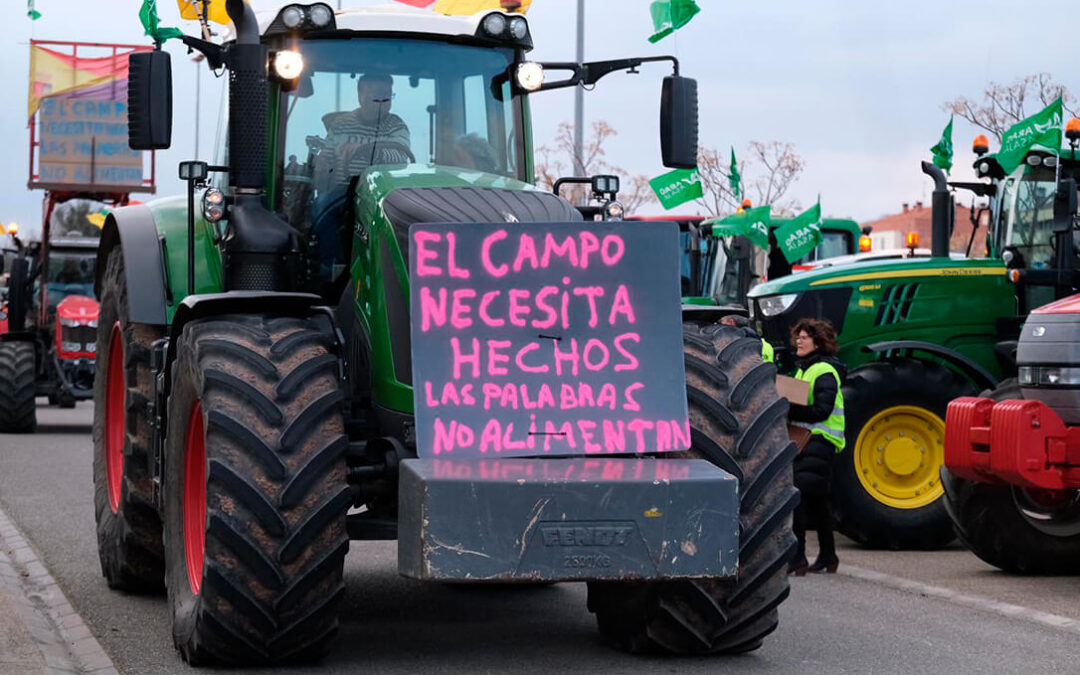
x=547 y=339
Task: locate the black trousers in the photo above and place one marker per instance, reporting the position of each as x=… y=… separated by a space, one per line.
x=813 y=478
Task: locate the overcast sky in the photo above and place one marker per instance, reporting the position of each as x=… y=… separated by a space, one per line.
x=855 y=85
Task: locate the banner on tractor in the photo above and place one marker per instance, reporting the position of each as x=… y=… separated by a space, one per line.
x=1042 y=128
x=79 y=119
x=555 y=339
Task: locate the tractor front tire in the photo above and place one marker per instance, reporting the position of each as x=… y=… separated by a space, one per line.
x=737 y=421
x=886 y=488
x=128 y=527
x=255 y=491
x=18 y=411
x=1007 y=526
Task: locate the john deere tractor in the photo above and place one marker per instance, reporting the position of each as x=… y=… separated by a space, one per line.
x=917 y=333
x=367 y=323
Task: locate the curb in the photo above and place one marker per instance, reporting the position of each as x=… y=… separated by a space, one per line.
x=977 y=602
x=64 y=641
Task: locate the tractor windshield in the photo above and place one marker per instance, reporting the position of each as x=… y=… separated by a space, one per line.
x=70 y=272
x=390 y=102
x=1028 y=224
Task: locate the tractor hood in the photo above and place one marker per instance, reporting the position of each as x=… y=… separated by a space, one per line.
x=878 y=271
x=376 y=184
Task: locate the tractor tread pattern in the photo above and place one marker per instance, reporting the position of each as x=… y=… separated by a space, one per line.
x=129 y=542
x=276 y=491
x=18 y=411
x=720 y=615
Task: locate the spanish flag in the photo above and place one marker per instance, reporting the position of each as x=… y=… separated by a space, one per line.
x=53 y=72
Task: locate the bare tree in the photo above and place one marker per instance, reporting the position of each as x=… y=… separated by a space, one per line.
x=1003 y=105
x=557 y=160
x=768 y=172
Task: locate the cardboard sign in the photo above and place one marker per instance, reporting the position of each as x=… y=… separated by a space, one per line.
x=85 y=142
x=547 y=339
x=795 y=391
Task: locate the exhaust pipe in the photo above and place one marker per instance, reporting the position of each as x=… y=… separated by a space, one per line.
x=248 y=89
x=944 y=211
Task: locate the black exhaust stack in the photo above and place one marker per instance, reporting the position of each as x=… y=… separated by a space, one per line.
x=261 y=250
x=944 y=211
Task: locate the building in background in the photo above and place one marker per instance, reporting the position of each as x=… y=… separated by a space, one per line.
x=892 y=231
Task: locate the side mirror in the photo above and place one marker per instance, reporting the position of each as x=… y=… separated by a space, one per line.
x=150 y=101
x=679 y=122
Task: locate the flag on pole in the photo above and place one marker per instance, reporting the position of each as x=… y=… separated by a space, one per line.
x=670 y=15
x=943 y=151
x=750 y=223
x=1042 y=128
x=31 y=12
x=734 y=178
x=215 y=10
x=800 y=235
x=677 y=187
x=54 y=73
x=151 y=23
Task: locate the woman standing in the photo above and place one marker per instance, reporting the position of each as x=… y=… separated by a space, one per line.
x=823 y=415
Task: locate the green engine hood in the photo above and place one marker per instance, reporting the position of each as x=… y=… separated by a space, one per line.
x=376 y=184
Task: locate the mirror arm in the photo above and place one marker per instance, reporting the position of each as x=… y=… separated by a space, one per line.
x=214 y=53
x=590 y=73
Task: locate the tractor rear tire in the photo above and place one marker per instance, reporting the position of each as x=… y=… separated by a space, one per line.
x=737 y=421
x=128 y=526
x=886 y=488
x=18 y=411
x=255 y=491
x=989 y=519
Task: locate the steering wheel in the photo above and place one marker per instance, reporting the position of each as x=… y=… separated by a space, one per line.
x=380 y=148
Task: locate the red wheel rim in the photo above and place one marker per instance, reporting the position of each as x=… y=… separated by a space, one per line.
x=195 y=498
x=115 y=424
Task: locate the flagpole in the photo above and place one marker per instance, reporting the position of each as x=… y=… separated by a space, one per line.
x=579 y=95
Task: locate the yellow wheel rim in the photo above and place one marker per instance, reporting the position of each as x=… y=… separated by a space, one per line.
x=898 y=457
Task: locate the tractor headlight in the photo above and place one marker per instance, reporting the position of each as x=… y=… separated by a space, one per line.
x=292 y=17
x=213 y=205
x=771 y=305
x=91 y=347
x=613 y=211
x=288 y=65
x=530 y=76
x=494 y=25
x=320 y=16
x=70 y=347
x=1048 y=376
x=518 y=28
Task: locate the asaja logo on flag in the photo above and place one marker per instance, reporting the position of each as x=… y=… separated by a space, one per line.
x=801 y=234
x=677 y=187
x=1042 y=128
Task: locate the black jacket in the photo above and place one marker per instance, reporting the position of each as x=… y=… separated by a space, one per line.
x=825 y=389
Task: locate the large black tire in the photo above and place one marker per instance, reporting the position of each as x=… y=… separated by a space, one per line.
x=737 y=421
x=895 y=510
x=128 y=527
x=262 y=398
x=18 y=412
x=994 y=521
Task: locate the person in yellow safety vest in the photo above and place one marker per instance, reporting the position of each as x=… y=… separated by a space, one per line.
x=815 y=349
x=767 y=353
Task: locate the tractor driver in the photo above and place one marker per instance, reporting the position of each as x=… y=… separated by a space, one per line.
x=359 y=138
x=355 y=140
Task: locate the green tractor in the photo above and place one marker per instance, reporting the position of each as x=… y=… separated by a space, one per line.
x=919 y=332
x=268 y=345
x=720 y=270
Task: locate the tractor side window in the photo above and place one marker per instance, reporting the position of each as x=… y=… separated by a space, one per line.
x=1031 y=222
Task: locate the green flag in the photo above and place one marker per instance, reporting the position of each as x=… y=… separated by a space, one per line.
x=800 y=235
x=677 y=187
x=752 y=224
x=149 y=17
x=1042 y=128
x=944 y=149
x=669 y=16
x=31 y=12
x=734 y=178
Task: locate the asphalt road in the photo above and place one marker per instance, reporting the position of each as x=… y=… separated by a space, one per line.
x=829 y=625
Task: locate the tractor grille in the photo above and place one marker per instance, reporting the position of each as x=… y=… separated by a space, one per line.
x=78 y=338
x=896 y=304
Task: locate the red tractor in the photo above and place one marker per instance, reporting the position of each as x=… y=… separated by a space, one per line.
x=49 y=329
x=1012 y=456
